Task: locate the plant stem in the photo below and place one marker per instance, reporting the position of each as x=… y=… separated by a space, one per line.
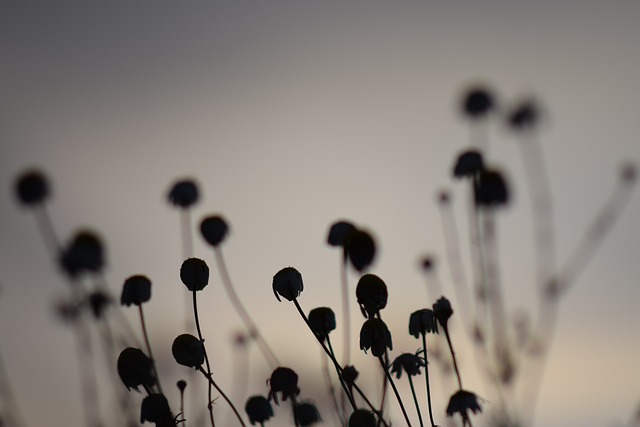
x=146 y=341
x=395 y=390
x=206 y=358
x=224 y=396
x=426 y=376
x=415 y=400
x=453 y=356
x=254 y=332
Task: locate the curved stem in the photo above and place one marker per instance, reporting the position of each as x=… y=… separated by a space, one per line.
x=370 y=405
x=267 y=352
x=453 y=356
x=426 y=376
x=209 y=377
x=345 y=311
x=206 y=357
x=395 y=390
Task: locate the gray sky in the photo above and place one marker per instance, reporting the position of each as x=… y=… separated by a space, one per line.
x=291 y=115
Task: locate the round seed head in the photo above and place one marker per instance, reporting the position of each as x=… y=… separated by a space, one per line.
x=214 y=229
x=194 y=273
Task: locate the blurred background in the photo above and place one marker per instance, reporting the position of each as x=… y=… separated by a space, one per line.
x=291 y=115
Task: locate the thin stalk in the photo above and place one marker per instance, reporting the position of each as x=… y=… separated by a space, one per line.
x=426 y=376
x=370 y=405
x=415 y=399
x=209 y=377
x=453 y=356
x=146 y=341
x=332 y=390
x=206 y=358
x=251 y=326
x=293 y=410
x=345 y=311
x=328 y=352
x=47 y=231
x=395 y=390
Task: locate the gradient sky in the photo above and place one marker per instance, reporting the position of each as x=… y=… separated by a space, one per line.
x=290 y=115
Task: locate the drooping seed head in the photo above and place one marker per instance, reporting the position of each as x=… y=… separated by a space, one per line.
x=490 y=189
x=135 y=369
x=362 y=418
x=183 y=193
x=322 y=321
x=442 y=311
x=287 y=283
x=307 y=414
x=194 y=273
x=155 y=409
x=462 y=402
x=83 y=254
x=136 y=290
x=407 y=362
x=422 y=322
x=283 y=382
x=375 y=335
x=468 y=164
x=477 y=102
x=338 y=233
x=372 y=294
x=361 y=249
x=258 y=409
x=214 y=229
x=188 y=350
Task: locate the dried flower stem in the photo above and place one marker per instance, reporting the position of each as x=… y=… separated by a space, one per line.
x=426 y=376
x=415 y=400
x=395 y=390
x=207 y=374
x=146 y=341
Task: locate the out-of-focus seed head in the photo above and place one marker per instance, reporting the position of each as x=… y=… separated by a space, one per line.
x=188 y=351
x=135 y=369
x=287 y=283
x=155 y=409
x=136 y=290
x=99 y=301
x=194 y=273
x=258 y=409
x=375 y=335
x=362 y=418
x=283 y=382
x=349 y=375
x=462 y=402
x=372 y=294
x=32 y=188
x=422 y=322
x=183 y=193
x=524 y=116
x=307 y=414
x=83 y=254
x=338 y=233
x=182 y=385
x=409 y=363
x=477 y=102
x=322 y=321
x=490 y=189
x=468 y=164
x=214 y=229
x=361 y=249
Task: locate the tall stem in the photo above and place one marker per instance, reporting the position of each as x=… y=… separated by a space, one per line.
x=146 y=341
x=453 y=356
x=426 y=376
x=395 y=390
x=206 y=358
x=415 y=399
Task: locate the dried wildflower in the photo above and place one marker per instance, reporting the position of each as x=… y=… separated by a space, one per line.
x=188 y=351
x=409 y=363
x=362 y=418
x=468 y=165
x=339 y=232
x=259 y=409
x=183 y=193
x=361 y=249
x=287 y=283
x=136 y=290
x=99 y=301
x=477 y=102
x=285 y=382
x=194 y=273
x=322 y=321
x=349 y=375
x=306 y=413
x=375 y=335
x=490 y=189
x=442 y=311
x=422 y=322
x=135 y=369
x=214 y=229
x=32 y=188
x=461 y=402
x=372 y=294
x=182 y=385
x=83 y=254
x=155 y=409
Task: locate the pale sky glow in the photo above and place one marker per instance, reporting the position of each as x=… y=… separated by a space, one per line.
x=291 y=115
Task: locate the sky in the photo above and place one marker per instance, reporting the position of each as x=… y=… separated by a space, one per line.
x=291 y=115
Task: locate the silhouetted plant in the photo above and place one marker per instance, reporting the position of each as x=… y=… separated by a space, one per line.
x=258 y=409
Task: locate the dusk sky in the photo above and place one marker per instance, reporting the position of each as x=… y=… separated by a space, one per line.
x=290 y=115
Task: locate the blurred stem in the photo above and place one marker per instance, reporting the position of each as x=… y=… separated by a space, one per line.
x=332 y=391
x=345 y=310
x=251 y=326
x=47 y=231
x=395 y=390
x=146 y=341
x=187 y=240
x=206 y=359
x=426 y=376
x=453 y=356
